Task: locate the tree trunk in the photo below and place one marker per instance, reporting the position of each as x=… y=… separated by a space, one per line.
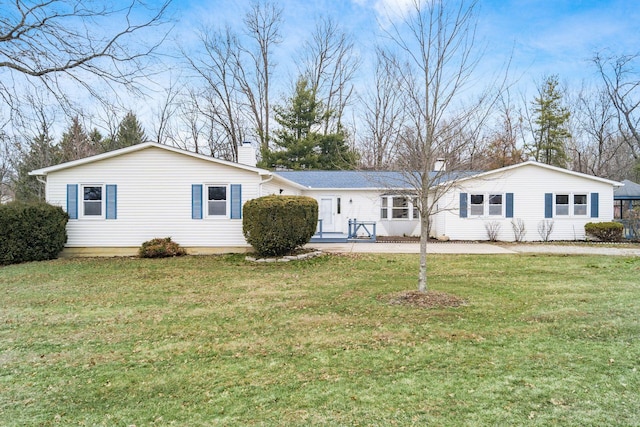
x=424 y=237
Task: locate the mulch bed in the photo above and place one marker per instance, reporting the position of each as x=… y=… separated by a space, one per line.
x=429 y=299
x=397 y=239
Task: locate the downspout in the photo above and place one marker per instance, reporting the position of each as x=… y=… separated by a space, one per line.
x=264 y=182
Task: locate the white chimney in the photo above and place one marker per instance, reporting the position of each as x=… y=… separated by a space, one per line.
x=247 y=154
x=440 y=165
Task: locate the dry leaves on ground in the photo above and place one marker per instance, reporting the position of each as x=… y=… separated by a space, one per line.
x=429 y=299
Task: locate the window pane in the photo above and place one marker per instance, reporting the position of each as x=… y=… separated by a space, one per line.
x=580 y=199
x=217 y=208
x=92 y=200
x=217 y=193
x=400 y=208
x=477 y=205
x=400 y=213
x=580 y=209
x=400 y=202
x=92 y=193
x=383 y=208
x=579 y=204
x=495 y=204
x=93 y=208
x=477 y=199
x=562 y=204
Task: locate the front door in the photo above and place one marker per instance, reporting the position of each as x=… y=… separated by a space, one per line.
x=326 y=214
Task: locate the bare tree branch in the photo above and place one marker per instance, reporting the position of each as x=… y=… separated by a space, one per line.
x=44 y=41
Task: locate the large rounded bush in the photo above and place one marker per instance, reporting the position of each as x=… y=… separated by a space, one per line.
x=605 y=231
x=31 y=232
x=276 y=225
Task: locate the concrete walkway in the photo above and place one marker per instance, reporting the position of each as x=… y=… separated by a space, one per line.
x=477 y=248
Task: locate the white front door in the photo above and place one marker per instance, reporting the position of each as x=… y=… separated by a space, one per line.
x=326 y=214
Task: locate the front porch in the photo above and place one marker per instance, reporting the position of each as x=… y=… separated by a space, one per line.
x=359 y=231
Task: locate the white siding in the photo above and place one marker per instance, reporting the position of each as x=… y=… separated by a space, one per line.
x=154 y=200
x=528 y=185
x=364 y=205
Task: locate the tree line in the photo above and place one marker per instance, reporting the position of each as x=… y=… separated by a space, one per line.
x=225 y=92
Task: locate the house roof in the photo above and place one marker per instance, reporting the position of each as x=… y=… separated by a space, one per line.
x=630 y=190
x=346 y=179
x=140 y=147
x=542 y=166
x=361 y=180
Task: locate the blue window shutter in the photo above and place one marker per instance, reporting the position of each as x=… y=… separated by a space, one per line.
x=509 y=212
x=196 y=201
x=112 y=201
x=463 y=205
x=548 y=205
x=236 y=201
x=594 y=205
x=72 y=201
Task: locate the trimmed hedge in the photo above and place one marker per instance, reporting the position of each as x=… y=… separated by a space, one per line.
x=605 y=231
x=276 y=225
x=31 y=232
x=160 y=248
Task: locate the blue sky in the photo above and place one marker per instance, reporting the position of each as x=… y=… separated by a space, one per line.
x=543 y=37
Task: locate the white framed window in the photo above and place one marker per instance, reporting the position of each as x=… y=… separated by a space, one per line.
x=562 y=204
x=92 y=201
x=579 y=204
x=568 y=204
x=383 y=208
x=495 y=205
x=486 y=205
x=216 y=201
x=477 y=205
x=398 y=208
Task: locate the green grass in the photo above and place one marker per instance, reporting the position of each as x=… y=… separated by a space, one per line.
x=542 y=340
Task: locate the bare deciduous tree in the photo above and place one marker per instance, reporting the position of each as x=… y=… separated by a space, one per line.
x=220 y=102
x=263 y=27
x=597 y=147
x=383 y=115
x=50 y=43
x=7 y=172
x=436 y=59
x=330 y=64
x=621 y=77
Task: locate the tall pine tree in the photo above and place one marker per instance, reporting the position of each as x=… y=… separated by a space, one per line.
x=130 y=132
x=298 y=144
x=550 y=120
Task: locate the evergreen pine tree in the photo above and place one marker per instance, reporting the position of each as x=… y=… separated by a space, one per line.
x=129 y=133
x=550 y=118
x=297 y=144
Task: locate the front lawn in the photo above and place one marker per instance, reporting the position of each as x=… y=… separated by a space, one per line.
x=195 y=341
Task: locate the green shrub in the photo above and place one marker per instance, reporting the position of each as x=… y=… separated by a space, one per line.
x=605 y=231
x=31 y=232
x=276 y=225
x=160 y=248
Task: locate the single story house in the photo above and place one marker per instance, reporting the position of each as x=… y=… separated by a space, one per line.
x=118 y=200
